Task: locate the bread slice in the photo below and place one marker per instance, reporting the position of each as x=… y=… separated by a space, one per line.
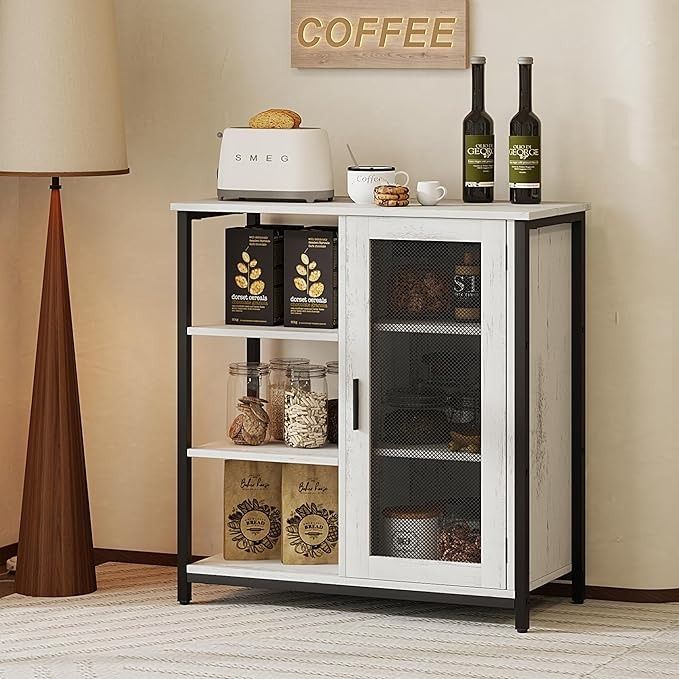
x=297 y=117
x=273 y=119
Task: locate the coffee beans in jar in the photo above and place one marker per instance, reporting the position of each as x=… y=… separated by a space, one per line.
x=306 y=407
x=460 y=541
x=278 y=380
x=332 y=368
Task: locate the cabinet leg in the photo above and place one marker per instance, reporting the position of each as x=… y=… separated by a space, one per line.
x=183 y=590
x=522 y=615
x=578 y=408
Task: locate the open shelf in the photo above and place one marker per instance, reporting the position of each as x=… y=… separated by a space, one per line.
x=269 y=452
x=432 y=327
x=266 y=570
x=428 y=452
x=265 y=332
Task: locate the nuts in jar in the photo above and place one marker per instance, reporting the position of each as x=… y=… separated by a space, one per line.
x=277 y=383
x=306 y=407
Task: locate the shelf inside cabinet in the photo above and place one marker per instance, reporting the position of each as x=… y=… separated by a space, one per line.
x=426 y=452
x=266 y=570
x=269 y=452
x=279 y=332
x=437 y=327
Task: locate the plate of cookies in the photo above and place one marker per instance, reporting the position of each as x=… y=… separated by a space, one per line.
x=392 y=195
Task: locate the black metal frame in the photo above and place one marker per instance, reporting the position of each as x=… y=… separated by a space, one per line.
x=521 y=602
x=522 y=411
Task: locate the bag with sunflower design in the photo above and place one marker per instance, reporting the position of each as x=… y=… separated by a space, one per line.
x=252 y=510
x=310 y=512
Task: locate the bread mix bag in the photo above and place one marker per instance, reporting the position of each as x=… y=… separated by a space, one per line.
x=252 y=510
x=310 y=512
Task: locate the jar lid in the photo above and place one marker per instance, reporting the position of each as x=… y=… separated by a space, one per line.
x=285 y=363
x=251 y=369
x=415 y=512
x=332 y=367
x=305 y=372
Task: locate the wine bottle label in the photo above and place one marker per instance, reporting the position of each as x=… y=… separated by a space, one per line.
x=524 y=162
x=479 y=160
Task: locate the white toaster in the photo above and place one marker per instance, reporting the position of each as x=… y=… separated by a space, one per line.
x=275 y=165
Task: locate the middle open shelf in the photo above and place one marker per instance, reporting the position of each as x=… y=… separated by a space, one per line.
x=268 y=452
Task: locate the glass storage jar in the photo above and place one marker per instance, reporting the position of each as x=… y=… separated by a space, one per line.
x=460 y=541
x=278 y=380
x=332 y=369
x=246 y=407
x=306 y=406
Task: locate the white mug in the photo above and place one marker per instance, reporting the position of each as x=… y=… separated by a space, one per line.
x=362 y=180
x=430 y=192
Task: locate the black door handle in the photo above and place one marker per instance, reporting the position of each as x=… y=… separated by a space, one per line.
x=355 y=408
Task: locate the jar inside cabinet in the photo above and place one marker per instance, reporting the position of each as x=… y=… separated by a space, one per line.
x=278 y=381
x=306 y=406
x=332 y=368
x=247 y=417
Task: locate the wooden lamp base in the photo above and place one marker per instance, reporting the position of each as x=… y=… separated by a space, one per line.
x=55 y=555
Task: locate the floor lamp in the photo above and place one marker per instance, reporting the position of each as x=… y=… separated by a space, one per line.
x=60 y=116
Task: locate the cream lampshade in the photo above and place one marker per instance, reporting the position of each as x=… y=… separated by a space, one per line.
x=60 y=104
x=60 y=115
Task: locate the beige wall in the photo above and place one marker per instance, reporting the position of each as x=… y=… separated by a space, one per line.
x=13 y=416
x=603 y=90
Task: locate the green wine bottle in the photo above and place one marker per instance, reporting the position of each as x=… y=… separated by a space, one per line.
x=525 y=154
x=478 y=164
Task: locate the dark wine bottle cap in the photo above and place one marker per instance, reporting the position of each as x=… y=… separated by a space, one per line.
x=526 y=60
x=477 y=60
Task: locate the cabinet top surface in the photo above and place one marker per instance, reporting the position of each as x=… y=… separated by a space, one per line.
x=342 y=206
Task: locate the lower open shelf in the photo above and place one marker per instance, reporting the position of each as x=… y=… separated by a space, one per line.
x=316 y=577
x=266 y=570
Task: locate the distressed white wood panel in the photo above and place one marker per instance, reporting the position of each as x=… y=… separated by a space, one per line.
x=550 y=401
x=342 y=206
x=354 y=315
x=511 y=410
x=325 y=574
x=343 y=380
x=492 y=571
x=264 y=332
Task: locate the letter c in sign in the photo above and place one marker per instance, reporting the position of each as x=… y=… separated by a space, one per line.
x=302 y=27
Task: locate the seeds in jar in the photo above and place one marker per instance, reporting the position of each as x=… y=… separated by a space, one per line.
x=332 y=420
x=306 y=418
x=277 y=412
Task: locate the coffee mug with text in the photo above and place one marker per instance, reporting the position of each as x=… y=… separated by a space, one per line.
x=362 y=180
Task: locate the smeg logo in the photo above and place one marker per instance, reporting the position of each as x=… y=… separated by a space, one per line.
x=260 y=158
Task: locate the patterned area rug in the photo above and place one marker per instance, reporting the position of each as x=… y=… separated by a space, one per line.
x=132 y=628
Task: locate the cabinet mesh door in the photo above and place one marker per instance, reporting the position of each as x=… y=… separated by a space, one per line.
x=425 y=398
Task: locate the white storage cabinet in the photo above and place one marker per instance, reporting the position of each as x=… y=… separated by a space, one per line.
x=461 y=437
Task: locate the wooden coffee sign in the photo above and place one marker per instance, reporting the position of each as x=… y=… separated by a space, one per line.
x=379 y=34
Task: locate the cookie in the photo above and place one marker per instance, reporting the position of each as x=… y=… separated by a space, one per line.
x=272 y=120
x=392 y=203
x=391 y=196
x=391 y=189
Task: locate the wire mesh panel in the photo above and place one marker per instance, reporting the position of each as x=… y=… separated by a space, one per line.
x=425 y=403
